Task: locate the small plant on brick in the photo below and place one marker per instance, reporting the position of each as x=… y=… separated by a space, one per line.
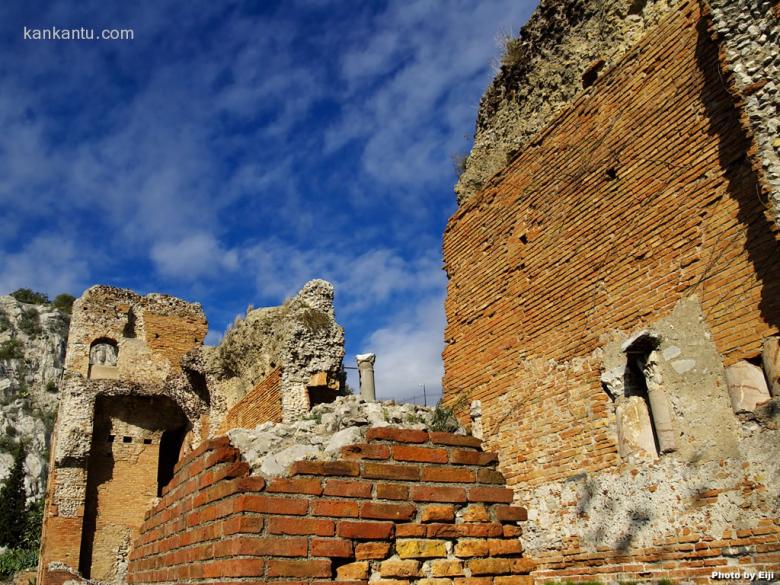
x=443 y=419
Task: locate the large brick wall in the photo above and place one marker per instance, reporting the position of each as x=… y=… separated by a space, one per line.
x=407 y=506
x=261 y=404
x=637 y=200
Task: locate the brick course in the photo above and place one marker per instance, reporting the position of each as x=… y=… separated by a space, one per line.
x=237 y=526
x=639 y=195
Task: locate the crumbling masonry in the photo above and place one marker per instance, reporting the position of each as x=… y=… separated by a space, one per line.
x=612 y=336
x=614 y=295
x=140 y=391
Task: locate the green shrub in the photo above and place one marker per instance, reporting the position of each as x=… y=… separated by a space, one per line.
x=25 y=295
x=64 y=302
x=30 y=322
x=31 y=536
x=7 y=444
x=51 y=386
x=17 y=559
x=11 y=349
x=5 y=323
x=12 y=502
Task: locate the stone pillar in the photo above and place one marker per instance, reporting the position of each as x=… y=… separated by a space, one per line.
x=634 y=430
x=365 y=362
x=770 y=356
x=747 y=386
x=659 y=405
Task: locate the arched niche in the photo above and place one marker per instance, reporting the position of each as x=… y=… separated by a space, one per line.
x=103 y=357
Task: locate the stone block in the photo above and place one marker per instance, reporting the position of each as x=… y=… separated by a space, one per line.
x=747 y=386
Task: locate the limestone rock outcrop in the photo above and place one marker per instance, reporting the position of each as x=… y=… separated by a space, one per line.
x=32 y=352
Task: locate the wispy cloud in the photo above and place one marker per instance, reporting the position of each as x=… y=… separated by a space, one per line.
x=233 y=152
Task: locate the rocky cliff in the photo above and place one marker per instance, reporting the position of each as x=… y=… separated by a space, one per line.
x=32 y=350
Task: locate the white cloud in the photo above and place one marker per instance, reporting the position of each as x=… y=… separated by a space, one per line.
x=50 y=264
x=193 y=256
x=362 y=279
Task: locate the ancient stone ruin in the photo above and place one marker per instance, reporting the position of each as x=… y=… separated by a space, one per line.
x=614 y=288
x=612 y=355
x=140 y=391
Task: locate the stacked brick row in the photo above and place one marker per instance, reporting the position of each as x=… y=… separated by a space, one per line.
x=261 y=404
x=635 y=197
x=405 y=507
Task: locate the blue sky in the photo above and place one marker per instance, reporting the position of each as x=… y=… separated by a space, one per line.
x=233 y=150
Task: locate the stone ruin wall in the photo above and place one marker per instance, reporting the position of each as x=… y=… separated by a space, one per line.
x=633 y=211
x=543 y=72
x=140 y=390
x=749 y=34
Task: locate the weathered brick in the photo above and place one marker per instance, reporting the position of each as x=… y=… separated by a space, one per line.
x=347 y=488
x=446 y=568
x=305 y=568
x=410 y=530
x=448 y=474
x=365 y=530
x=365 y=451
x=419 y=454
x=511 y=514
x=352 y=571
x=420 y=549
x=265 y=504
x=233 y=568
x=392 y=491
x=489 y=566
x=513 y=580
x=331 y=547
x=469 y=547
x=336 y=508
x=455 y=440
x=503 y=547
x=522 y=566
x=391 y=471
x=490 y=494
x=476 y=513
x=379 y=511
x=394 y=568
x=394 y=434
x=438 y=494
x=300 y=526
x=488 y=475
x=461 y=457
x=372 y=550
x=438 y=513
x=297 y=485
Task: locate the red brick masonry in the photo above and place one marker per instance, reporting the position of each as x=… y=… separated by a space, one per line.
x=423 y=496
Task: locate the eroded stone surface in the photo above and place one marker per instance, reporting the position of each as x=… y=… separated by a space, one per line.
x=544 y=72
x=271 y=448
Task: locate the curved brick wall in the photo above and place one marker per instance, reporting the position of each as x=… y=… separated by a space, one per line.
x=411 y=506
